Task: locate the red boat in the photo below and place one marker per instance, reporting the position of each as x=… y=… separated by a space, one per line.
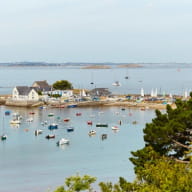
x=31 y=113
x=89 y=123
x=66 y=120
x=78 y=114
x=50 y=136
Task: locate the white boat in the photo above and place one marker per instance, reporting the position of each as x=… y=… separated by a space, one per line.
x=116 y=83
x=115 y=128
x=15 y=121
x=38 y=131
x=30 y=120
x=63 y=141
x=92 y=132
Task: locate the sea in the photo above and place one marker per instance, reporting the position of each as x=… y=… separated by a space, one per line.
x=35 y=164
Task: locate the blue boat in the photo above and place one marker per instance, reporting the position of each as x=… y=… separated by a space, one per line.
x=71 y=106
x=7 y=112
x=70 y=129
x=53 y=126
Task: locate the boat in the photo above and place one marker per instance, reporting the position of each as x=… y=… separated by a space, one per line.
x=31 y=113
x=78 y=114
x=89 y=123
x=104 y=136
x=142 y=108
x=70 y=129
x=50 y=114
x=38 y=131
x=62 y=141
x=50 y=136
x=116 y=83
x=92 y=132
x=115 y=128
x=3 y=137
x=7 y=113
x=44 y=123
x=30 y=120
x=66 y=120
x=15 y=121
x=101 y=125
x=71 y=106
x=134 y=122
x=53 y=126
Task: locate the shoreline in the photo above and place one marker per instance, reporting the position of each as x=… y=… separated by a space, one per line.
x=143 y=105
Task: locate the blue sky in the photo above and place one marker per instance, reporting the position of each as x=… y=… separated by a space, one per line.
x=96 y=30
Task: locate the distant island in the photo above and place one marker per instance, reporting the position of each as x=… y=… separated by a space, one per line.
x=92 y=65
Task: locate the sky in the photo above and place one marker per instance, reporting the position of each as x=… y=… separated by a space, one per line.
x=96 y=30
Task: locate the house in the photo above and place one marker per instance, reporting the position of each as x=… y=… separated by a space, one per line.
x=43 y=86
x=62 y=93
x=25 y=93
x=99 y=92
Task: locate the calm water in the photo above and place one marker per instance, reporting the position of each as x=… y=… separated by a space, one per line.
x=165 y=79
x=34 y=164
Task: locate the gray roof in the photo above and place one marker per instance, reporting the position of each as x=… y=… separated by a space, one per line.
x=24 y=90
x=100 y=92
x=43 y=85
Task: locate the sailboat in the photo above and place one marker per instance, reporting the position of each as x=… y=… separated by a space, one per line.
x=3 y=136
x=116 y=83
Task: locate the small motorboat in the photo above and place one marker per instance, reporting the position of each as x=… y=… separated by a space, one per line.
x=104 y=136
x=89 y=123
x=62 y=141
x=134 y=122
x=92 y=132
x=78 y=114
x=115 y=128
x=50 y=136
x=38 y=131
x=30 y=120
x=15 y=121
x=32 y=113
x=116 y=83
x=66 y=120
x=101 y=125
x=53 y=126
x=7 y=112
x=50 y=114
x=70 y=129
x=3 y=137
x=44 y=123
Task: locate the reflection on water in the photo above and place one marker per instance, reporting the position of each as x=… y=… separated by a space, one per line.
x=43 y=163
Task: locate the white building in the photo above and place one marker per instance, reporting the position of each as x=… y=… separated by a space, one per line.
x=25 y=93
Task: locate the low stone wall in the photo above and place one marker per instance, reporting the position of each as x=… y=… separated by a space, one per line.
x=20 y=103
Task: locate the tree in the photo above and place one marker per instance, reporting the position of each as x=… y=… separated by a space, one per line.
x=163 y=174
x=62 y=85
x=168 y=134
x=77 y=183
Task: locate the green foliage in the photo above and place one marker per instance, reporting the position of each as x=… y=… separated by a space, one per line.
x=77 y=183
x=39 y=92
x=55 y=95
x=62 y=85
x=168 y=134
x=165 y=175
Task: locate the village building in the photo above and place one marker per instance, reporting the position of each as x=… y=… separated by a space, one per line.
x=99 y=92
x=43 y=86
x=25 y=93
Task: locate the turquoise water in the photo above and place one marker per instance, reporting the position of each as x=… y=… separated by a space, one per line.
x=34 y=164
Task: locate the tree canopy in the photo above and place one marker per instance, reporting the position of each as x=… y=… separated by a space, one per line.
x=62 y=85
x=77 y=183
x=169 y=134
